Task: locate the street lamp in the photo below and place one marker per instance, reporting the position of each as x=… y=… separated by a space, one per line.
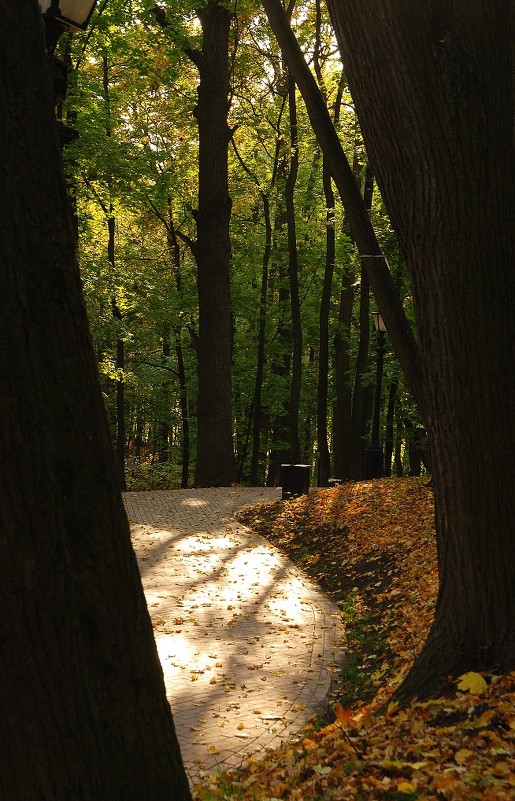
x=71 y=15
x=374 y=451
x=60 y=16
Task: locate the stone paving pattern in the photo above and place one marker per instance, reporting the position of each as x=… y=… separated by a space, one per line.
x=247 y=642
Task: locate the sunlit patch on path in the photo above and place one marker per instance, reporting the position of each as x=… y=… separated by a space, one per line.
x=247 y=643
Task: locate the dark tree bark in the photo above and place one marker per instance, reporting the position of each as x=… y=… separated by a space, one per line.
x=388 y=434
x=324 y=456
x=215 y=464
x=165 y=401
x=261 y=347
x=120 y=385
x=138 y=439
x=399 y=468
x=342 y=414
x=293 y=275
x=433 y=87
x=120 y=344
x=281 y=364
x=175 y=254
x=414 y=460
x=185 y=419
x=353 y=403
x=342 y=420
x=84 y=710
x=362 y=395
x=172 y=237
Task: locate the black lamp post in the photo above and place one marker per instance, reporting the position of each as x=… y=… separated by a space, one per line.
x=60 y=16
x=374 y=452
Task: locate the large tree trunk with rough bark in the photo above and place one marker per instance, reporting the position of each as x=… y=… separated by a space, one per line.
x=83 y=706
x=215 y=453
x=433 y=87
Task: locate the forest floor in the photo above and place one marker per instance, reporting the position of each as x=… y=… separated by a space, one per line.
x=371 y=547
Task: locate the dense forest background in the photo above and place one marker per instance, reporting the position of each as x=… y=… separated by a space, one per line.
x=303 y=350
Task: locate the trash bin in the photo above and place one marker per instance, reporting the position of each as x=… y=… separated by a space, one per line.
x=294 y=480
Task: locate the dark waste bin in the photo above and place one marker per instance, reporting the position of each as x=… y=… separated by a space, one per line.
x=294 y=480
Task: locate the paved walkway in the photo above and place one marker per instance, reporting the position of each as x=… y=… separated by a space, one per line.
x=247 y=643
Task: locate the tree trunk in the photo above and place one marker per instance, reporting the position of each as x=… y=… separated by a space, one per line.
x=388 y=436
x=281 y=361
x=261 y=345
x=433 y=88
x=117 y=314
x=342 y=422
x=324 y=455
x=165 y=401
x=361 y=398
x=399 y=467
x=215 y=453
x=293 y=275
x=185 y=420
x=84 y=710
x=324 y=463
x=138 y=440
x=281 y=368
x=120 y=384
x=175 y=254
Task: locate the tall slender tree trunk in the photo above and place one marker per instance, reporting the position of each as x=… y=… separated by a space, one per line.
x=324 y=465
x=361 y=399
x=84 y=710
x=165 y=400
x=120 y=397
x=293 y=275
x=261 y=345
x=342 y=420
x=175 y=253
x=257 y=402
x=185 y=418
x=433 y=87
x=324 y=456
x=215 y=464
x=281 y=367
x=138 y=439
x=388 y=439
x=117 y=314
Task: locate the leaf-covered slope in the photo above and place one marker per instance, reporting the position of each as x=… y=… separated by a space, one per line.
x=371 y=547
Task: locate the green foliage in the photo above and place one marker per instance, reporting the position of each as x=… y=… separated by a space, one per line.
x=147 y=476
x=135 y=163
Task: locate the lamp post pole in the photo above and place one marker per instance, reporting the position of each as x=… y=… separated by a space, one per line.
x=374 y=464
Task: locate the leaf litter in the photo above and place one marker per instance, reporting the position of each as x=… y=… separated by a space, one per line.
x=371 y=547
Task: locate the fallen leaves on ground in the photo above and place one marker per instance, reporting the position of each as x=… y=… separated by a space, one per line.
x=371 y=546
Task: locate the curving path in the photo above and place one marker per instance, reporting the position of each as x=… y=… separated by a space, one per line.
x=247 y=642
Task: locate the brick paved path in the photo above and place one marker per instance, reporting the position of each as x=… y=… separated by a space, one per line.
x=247 y=643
